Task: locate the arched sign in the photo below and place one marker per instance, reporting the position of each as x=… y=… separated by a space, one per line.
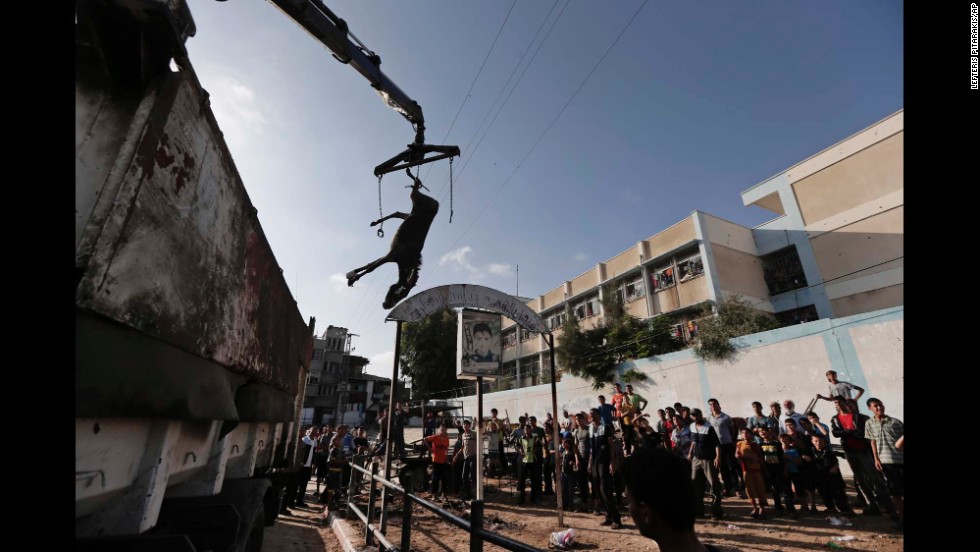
x=437 y=299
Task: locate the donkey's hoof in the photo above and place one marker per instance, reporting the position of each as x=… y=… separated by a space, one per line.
x=351 y=278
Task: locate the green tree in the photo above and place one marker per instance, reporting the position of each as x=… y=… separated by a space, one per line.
x=735 y=318
x=501 y=384
x=428 y=353
x=593 y=354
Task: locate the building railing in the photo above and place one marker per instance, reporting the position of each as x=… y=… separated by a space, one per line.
x=478 y=535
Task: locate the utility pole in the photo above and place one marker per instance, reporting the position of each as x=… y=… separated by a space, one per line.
x=343 y=389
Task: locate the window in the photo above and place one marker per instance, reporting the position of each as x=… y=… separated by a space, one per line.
x=690 y=268
x=630 y=290
x=783 y=271
x=798 y=316
x=587 y=308
x=531 y=367
x=313 y=378
x=317 y=354
x=662 y=278
x=556 y=320
x=509 y=339
x=306 y=417
x=526 y=335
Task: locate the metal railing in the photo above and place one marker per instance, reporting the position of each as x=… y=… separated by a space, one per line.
x=478 y=535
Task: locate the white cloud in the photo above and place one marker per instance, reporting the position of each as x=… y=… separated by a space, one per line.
x=500 y=269
x=381 y=364
x=579 y=257
x=339 y=283
x=458 y=258
x=237 y=110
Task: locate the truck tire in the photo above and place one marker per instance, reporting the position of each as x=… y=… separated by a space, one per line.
x=255 y=535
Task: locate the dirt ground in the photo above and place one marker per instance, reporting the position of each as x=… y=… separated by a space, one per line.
x=534 y=524
x=303 y=530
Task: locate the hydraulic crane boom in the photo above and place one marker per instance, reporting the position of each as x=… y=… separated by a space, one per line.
x=333 y=32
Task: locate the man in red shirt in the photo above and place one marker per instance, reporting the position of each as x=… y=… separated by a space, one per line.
x=617 y=402
x=848 y=426
x=438 y=445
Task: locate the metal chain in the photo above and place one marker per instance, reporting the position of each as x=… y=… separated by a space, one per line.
x=450 y=190
x=381 y=214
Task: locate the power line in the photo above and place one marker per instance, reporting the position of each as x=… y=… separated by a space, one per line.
x=471 y=154
x=478 y=73
x=550 y=125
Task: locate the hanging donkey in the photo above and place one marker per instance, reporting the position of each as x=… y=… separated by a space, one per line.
x=406 y=246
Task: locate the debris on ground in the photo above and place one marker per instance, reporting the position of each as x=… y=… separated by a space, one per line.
x=563 y=540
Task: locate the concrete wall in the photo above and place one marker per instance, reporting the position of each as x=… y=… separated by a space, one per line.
x=869 y=300
x=622 y=263
x=693 y=291
x=741 y=273
x=554 y=297
x=671 y=238
x=638 y=307
x=666 y=300
x=788 y=363
x=863 y=262
x=865 y=176
x=584 y=282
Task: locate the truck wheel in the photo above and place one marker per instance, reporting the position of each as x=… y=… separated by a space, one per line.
x=255 y=535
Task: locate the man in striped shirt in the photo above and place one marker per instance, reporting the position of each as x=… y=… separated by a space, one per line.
x=884 y=432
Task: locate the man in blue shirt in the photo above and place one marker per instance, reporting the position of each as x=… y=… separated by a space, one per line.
x=606 y=411
x=705 y=459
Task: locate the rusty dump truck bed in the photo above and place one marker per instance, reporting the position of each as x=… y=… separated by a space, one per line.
x=172 y=259
x=191 y=353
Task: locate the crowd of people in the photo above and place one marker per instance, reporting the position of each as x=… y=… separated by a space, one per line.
x=782 y=455
x=326 y=453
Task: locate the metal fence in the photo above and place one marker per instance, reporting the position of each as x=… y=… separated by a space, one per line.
x=372 y=531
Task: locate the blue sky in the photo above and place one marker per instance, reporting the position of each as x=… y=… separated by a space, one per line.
x=695 y=103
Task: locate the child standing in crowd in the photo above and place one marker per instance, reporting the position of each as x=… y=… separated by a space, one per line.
x=829 y=481
x=584 y=447
x=680 y=437
x=335 y=463
x=530 y=464
x=570 y=465
x=438 y=446
x=819 y=427
x=752 y=465
x=493 y=444
x=772 y=456
x=805 y=483
x=793 y=461
x=548 y=460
